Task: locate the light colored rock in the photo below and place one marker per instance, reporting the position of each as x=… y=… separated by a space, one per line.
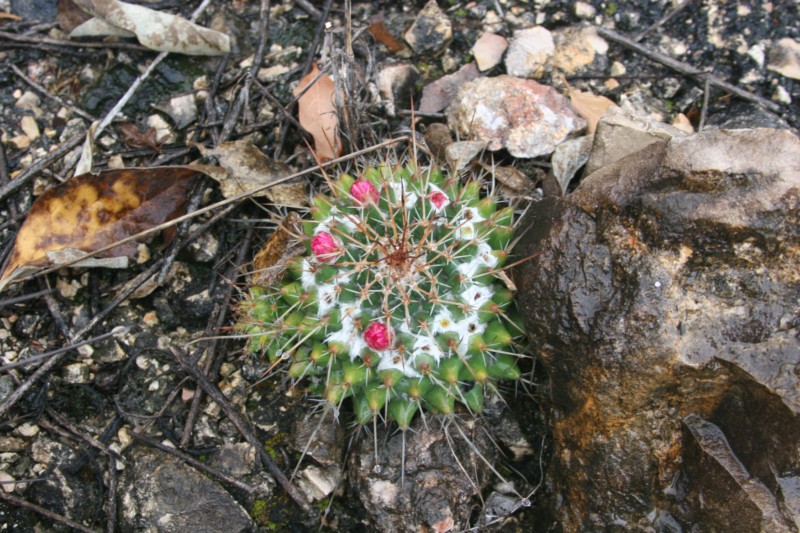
x=525 y=117
x=20 y=142
x=76 y=373
x=164 y=133
x=432 y=30
x=272 y=73
x=459 y=154
x=318 y=483
x=529 y=52
x=781 y=95
x=488 y=50
x=30 y=127
x=584 y=10
x=683 y=123
x=576 y=47
x=617 y=69
x=29 y=101
x=620 y=133
x=784 y=58
x=7 y=482
x=182 y=110
x=569 y=157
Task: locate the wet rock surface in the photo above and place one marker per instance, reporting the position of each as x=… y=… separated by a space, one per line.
x=433 y=494
x=662 y=295
x=164 y=494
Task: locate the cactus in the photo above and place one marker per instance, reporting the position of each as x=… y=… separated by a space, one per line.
x=396 y=303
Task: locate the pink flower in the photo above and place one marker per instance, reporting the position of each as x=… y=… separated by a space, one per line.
x=325 y=247
x=438 y=199
x=378 y=336
x=364 y=192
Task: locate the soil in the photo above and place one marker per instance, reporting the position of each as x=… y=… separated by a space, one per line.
x=95 y=396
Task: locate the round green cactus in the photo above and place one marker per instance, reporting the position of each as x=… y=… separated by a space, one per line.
x=396 y=303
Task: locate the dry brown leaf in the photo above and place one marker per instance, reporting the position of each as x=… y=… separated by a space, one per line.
x=284 y=244
x=69 y=16
x=247 y=169
x=134 y=137
x=92 y=211
x=382 y=34
x=154 y=29
x=589 y=106
x=317 y=114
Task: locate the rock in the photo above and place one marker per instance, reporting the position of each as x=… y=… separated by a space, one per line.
x=29 y=101
x=620 y=133
x=663 y=298
x=236 y=460
x=29 y=127
x=525 y=117
x=396 y=84
x=584 y=10
x=431 y=32
x=488 y=50
x=164 y=132
x=741 y=115
x=318 y=483
x=460 y=154
x=161 y=493
x=76 y=373
x=529 y=52
x=182 y=110
x=437 y=95
x=569 y=157
x=438 y=138
x=784 y=58
x=435 y=495
x=577 y=48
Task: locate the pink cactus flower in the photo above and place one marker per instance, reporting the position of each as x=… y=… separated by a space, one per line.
x=438 y=199
x=378 y=336
x=364 y=192
x=325 y=247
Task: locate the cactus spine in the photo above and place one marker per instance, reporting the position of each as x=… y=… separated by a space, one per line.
x=396 y=303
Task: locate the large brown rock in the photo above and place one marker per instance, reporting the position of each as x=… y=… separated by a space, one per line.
x=664 y=299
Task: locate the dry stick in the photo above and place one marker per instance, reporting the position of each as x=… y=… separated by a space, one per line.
x=663 y=20
x=312 y=51
x=19 y=502
x=111 y=510
x=82 y=435
x=119 y=330
x=41 y=40
x=237 y=421
x=213 y=327
x=188 y=459
x=704 y=109
x=29 y=173
x=244 y=94
x=44 y=92
x=688 y=70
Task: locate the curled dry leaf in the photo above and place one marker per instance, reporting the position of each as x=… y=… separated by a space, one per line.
x=284 y=244
x=317 y=114
x=155 y=30
x=382 y=34
x=92 y=211
x=589 y=106
x=247 y=169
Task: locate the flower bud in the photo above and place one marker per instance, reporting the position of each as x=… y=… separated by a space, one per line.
x=325 y=247
x=377 y=336
x=364 y=192
x=438 y=199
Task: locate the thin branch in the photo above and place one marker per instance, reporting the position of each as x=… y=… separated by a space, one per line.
x=19 y=502
x=44 y=92
x=688 y=70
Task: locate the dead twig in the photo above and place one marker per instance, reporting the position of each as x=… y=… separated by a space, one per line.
x=217 y=396
x=29 y=173
x=215 y=323
x=47 y=94
x=188 y=459
x=19 y=502
x=669 y=15
x=688 y=70
x=119 y=330
x=61 y=44
x=258 y=59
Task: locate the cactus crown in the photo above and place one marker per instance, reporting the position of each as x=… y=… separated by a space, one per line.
x=396 y=304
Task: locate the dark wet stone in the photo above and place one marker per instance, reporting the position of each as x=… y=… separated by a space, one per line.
x=663 y=298
x=160 y=493
x=432 y=30
x=436 y=495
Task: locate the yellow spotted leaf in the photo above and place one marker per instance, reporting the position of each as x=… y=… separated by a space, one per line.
x=93 y=211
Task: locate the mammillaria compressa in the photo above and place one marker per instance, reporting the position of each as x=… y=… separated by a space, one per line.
x=397 y=302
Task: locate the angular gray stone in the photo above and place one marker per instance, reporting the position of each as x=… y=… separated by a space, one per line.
x=161 y=493
x=620 y=133
x=525 y=117
x=432 y=30
x=663 y=298
x=529 y=52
